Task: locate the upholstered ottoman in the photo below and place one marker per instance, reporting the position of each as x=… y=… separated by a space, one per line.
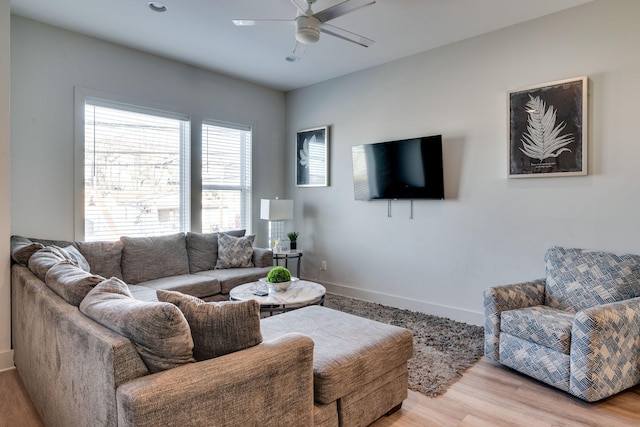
x=359 y=365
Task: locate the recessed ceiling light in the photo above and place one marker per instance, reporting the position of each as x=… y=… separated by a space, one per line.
x=156 y=6
x=292 y=58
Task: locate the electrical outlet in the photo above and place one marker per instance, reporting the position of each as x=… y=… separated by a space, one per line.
x=323 y=266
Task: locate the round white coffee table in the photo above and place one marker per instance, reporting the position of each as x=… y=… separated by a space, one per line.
x=300 y=294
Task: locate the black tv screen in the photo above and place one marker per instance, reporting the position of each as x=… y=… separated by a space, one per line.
x=405 y=169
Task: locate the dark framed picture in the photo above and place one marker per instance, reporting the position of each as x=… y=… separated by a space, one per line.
x=548 y=129
x=312 y=154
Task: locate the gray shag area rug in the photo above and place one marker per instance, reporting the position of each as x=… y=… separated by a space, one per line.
x=442 y=348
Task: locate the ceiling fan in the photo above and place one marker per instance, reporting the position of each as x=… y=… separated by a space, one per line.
x=309 y=25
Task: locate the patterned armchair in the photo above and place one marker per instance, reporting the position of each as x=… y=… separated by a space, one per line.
x=577 y=330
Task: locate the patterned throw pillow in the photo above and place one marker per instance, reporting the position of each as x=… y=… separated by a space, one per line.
x=235 y=252
x=159 y=330
x=218 y=328
x=579 y=278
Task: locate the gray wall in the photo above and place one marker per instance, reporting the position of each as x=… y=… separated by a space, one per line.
x=47 y=63
x=6 y=355
x=490 y=230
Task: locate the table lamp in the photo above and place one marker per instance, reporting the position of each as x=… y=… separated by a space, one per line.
x=276 y=211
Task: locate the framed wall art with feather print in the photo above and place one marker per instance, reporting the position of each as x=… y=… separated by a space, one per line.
x=548 y=129
x=312 y=157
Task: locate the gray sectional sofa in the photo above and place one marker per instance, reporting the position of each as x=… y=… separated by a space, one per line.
x=93 y=350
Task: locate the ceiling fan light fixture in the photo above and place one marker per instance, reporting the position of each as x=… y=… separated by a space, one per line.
x=307 y=29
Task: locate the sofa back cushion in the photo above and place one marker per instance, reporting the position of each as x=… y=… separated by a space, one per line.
x=579 y=279
x=159 y=330
x=149 y=258
x=218 y=328
x=202 y=249
x=71 y=282
x=103 y=257
x=235 y=252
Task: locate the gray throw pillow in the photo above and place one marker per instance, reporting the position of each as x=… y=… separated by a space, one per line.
x=75 y=255
x=202 y=249
x=235 y=252
x=218 y=328
x=71 y=282
x=22 y=249
x=159 y=330
x=149 y=258
x=103 y=257
x=41 y=261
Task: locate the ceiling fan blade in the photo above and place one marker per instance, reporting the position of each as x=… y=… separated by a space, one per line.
x=250 y=22
x=346 y=35
x=299 y=49
x=343 y=8
x=295 y=3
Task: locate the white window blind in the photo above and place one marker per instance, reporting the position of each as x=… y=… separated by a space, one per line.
x=226 y=177
x=136 y=171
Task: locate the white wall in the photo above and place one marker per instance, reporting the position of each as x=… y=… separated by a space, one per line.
x=48 y=62
x=490 y=230
x=6 y=355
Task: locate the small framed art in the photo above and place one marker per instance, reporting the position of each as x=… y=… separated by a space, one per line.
x=548 y=129
x=312 y=157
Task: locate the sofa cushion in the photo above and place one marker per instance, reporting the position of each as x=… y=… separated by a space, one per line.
x=579 y=279
x=22 y=249
x=218 y=328
x=148 y=258
x=202 y=249
x=75 y=255
x=232 y=277
x=234 y=252
x=159 y=330
x=103 y=257
x=192 y=284
x=41 y=261
x=71 y=282
x=540 y=324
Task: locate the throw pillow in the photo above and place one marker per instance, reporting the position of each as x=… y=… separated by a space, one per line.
x=579 y=278
x=103 y=257
x=75 y=255
x=71 y=282
x=22 y=249
x=41 y=261
x=159 y=330
x=149 y=258
x=202 y=249
x=218 y=328
x=234 y=252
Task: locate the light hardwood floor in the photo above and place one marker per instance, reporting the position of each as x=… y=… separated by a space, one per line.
x=487 y=395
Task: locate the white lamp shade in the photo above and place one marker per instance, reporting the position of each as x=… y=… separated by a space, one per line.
x=276 y=209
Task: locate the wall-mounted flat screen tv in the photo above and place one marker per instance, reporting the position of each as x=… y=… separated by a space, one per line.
x=405 y=169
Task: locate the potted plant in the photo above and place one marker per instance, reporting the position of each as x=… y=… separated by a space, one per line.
x=278 y=279
x=293 y=239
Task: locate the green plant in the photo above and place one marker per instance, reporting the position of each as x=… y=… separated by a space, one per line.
x=278 y=275
x=293 y=236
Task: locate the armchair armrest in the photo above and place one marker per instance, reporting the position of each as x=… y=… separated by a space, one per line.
x=605 y=348
x=270 y=384
x=504 y=298
x=262 y=257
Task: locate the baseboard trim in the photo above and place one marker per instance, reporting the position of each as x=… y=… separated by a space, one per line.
x=461 y=315
x=6 y=360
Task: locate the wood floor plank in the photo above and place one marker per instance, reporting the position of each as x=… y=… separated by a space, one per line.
x=16 y=409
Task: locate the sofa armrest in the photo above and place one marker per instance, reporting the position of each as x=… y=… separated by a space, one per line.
x=605 y=347
x=262 y=257
x=504 y=298
x=270 y=384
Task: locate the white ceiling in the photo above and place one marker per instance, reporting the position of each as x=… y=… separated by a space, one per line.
x=200 y=32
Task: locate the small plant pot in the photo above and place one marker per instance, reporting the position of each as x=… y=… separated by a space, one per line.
x=279 y=287
x=293 y=246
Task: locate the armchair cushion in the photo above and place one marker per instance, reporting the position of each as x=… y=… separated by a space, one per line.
x=579 y=279
x=546 y=326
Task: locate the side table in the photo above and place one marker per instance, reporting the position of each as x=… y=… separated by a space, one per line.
x=286 y=256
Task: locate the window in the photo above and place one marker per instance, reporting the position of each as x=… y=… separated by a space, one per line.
x=226 y=177
x=136 y=171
